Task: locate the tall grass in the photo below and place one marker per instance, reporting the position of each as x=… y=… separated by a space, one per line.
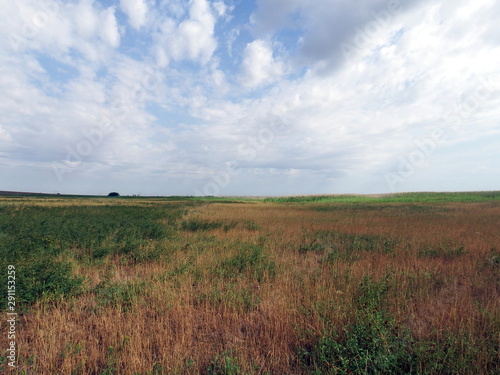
x=161 y=287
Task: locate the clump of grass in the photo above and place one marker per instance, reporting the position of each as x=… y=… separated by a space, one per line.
x=231 y=295
x=373 y=344
x=251 y=225
x=444 y=251
x=194 y=225
x=249 y=260
x=225 y=363
x=118 y=295
x=336 y=245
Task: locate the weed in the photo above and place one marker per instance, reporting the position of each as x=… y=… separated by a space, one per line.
x=345 y=246
x=224 y=364
x=249 y=260
x=118 y=295
x=230 y=225
x=444 y=251
x=374 y=344
x=195 y=225
x=250 y=225
x=231 y=295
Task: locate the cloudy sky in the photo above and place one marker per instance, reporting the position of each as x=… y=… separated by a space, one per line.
x=249 y=97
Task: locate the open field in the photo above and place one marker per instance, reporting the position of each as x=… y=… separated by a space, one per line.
x=403 y=284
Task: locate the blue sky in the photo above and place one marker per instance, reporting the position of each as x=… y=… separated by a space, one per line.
x=265 y=97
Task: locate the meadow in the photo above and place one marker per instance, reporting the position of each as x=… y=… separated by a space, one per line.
x=401 y=284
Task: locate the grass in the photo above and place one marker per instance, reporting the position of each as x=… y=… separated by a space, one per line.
x=190 y=286
x=424 y=197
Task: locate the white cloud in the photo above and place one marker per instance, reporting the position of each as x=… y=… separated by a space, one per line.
x=259 y=65
x=136 y=10
x=87 y=22
x=192 y=39
x=109 y=28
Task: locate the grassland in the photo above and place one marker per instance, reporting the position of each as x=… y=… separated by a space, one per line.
x=405 y=284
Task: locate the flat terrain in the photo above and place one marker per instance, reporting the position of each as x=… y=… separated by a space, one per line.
x=400 y=284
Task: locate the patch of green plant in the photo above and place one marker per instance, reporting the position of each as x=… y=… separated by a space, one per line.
x=427 y=197
x=458 y=353
x=42 y=277
x=225 y=363
x=336 y=245
x=181 y=269
x=319 y=198
x=194 y=225
x=250 y=225
x=41 y=241
x=250 y=260
x=85 y=231
x=232 y=295
x=444 y=251
x=230 y=225
x=71 y=349
x=123 y=295
x=373 y=344
x=110 y=367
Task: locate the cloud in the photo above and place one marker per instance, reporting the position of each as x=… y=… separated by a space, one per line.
x=173 y=108
x=325 y=26
x=109 y=28
x=259 y=65
x=193 y=38
x=136 y=10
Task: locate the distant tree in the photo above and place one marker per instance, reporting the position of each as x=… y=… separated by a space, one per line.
x=113 y=194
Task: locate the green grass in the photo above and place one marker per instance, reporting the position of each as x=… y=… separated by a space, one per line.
x=424 y=197
x=44 y=242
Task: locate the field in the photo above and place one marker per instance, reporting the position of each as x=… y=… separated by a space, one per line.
x=405 y=284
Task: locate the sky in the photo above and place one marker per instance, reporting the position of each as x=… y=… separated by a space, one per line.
x=249 y=97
